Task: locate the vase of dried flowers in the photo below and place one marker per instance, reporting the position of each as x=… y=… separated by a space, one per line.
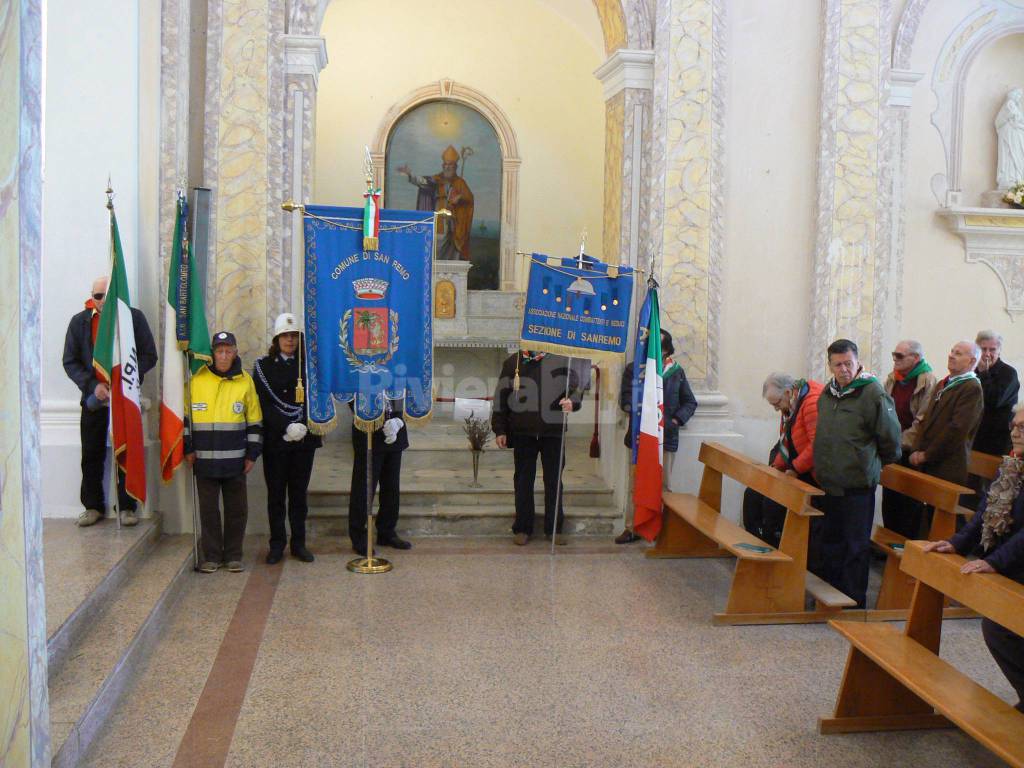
x=478 y=431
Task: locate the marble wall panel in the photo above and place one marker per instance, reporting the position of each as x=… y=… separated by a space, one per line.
x=614 y=135
x=853 y=228
x=613 y=24
x=686 y=158
x=244 y=152
x=24 y=725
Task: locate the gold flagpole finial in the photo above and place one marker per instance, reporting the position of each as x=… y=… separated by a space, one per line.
x=290 y=206
x=110 y=194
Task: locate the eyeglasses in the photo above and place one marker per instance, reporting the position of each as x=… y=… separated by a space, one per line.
x=1017 y=427
x=98 y=296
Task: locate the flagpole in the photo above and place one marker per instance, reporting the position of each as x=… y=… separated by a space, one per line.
x=561 y=457
x=369 y=564
x=192 y=467
x=114 y=495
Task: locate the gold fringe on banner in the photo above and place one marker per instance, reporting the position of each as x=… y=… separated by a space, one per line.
x=594 y=355
x=322 y=429
x=419 y=421
x=371 y=243
x=368 y=426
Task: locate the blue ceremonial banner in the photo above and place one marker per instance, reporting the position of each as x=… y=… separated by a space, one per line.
x=577 y=312
x=369 y=334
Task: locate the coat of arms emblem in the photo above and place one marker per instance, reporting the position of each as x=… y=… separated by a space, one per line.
x=369 y=333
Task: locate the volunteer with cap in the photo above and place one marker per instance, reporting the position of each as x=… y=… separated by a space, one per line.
x=223 y=438
x=288 y=446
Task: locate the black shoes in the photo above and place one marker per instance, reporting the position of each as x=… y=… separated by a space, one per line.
x=393 y=541
x=274 y=556
x=301 y=553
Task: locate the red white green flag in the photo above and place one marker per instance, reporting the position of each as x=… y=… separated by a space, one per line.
x=116 y=358
x=185 y=330
x=651 y=435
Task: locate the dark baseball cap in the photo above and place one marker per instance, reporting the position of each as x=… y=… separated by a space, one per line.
x=223 y=337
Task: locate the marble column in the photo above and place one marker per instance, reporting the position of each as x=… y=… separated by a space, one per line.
x=24 y=720
x=243 y=164
x=852 y=249
x=304 y=56
x=627 y=77
x=687 y=179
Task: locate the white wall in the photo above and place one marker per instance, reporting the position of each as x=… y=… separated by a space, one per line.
x=770 y=199
x=92 y=130
x=945 y=298
x=533 y=59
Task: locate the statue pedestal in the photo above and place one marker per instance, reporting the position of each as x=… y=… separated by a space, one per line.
x=994 y=236
x=994 y=199
x=451 y=298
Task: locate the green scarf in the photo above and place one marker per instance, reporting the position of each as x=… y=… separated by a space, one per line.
x=921 y=367
x=955 y=381
x=862 y=379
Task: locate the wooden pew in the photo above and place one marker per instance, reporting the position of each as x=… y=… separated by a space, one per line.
x=897 y=587
x=768 y=584
x=895 y=680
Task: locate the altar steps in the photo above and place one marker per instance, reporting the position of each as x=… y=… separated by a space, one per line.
x=439 y=497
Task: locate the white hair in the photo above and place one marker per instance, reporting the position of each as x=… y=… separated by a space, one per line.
x=914 y=347
x=975 y=350
x=989 y=335
x=777 y=382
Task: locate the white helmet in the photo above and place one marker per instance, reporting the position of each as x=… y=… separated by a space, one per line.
x=286 y=323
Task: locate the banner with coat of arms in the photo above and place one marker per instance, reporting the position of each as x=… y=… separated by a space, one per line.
x=369 y=335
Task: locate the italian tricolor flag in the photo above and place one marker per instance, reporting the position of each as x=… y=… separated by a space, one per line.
x=185 y=332
x=116 y=359
x=651 y=435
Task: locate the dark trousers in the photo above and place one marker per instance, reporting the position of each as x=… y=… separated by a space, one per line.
x=763 y=517
x=902 y=514
x=287 y=474
x=525 y=449
x=387 y=469
x=846 y=541
x=222 y=544
x=1007 y=649
x=93 y=430
x=766 y=519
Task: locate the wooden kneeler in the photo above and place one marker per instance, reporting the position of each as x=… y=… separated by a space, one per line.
x=769 y=584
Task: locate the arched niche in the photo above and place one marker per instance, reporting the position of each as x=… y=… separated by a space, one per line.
x=989 y=22
x=449 y=90
x=625 y=23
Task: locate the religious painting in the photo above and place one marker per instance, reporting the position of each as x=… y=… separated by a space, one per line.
x=445 y=156
x=444 y=300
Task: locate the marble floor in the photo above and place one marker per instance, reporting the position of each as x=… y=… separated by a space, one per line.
x=476 y=653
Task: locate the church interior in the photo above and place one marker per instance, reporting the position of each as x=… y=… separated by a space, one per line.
x=789 y=172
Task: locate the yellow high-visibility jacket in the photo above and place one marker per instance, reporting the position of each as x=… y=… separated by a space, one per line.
x=225 y=425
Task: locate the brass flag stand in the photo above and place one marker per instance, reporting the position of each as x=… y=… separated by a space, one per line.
x=369 y=564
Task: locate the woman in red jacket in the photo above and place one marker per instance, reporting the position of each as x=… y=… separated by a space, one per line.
x=796 y=400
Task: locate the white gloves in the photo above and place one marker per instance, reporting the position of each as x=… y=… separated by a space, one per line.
x=391 y=429
x=295 y=432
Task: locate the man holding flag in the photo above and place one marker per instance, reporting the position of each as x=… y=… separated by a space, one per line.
x=96 y=344
x=658 y=399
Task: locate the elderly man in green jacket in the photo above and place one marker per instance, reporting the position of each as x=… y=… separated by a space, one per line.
x=857 y=433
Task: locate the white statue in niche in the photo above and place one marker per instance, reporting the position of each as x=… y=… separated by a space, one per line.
x=1010 y=129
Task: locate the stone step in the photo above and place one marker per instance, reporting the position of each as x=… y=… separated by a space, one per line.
x=88 y=683
x=83 y=567
x=471 y=520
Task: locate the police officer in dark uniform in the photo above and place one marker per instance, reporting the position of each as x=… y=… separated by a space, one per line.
x=288 y=446
x=388 y=443
x=529 y=408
